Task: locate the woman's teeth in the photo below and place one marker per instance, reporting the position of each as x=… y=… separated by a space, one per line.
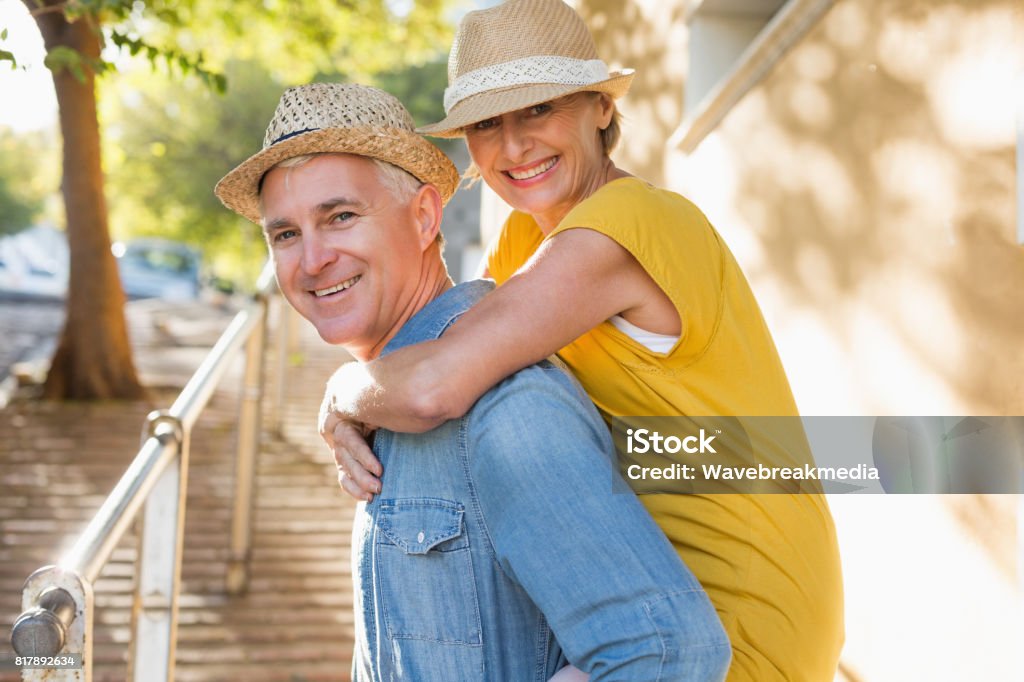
x=535 y=171
x=337 y=287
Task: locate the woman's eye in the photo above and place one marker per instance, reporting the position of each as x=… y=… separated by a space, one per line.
x=284 y=235
x=542 y=108
x=485 y=125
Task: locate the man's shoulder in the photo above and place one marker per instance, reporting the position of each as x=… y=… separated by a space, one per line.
x=547 y=375
x=541 y=396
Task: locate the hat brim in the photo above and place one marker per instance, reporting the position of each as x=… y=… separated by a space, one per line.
x=239 y=189
x=485 y=105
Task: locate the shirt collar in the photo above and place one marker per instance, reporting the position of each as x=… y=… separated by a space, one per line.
x=434 y=318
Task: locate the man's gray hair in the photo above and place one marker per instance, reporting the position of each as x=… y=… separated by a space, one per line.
x=399 y=182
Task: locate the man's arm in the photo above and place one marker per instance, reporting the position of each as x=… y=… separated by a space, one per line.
x=618 y=598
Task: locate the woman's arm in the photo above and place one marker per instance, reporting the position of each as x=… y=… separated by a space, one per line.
x=576 y=280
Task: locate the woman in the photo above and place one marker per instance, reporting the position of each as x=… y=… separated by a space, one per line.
x=642 y=300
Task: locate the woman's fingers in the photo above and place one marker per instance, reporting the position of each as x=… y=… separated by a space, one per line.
x=358 y=468
x=356 y=441
x=570 y=674
x=357 y=464
x=327 y=421
x=350 y=487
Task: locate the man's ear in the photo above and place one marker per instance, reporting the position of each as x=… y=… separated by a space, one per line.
x=427 y=213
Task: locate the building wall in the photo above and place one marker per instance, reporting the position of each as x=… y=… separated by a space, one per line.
x=650 y=37
x=867 y=185
x=461 y=224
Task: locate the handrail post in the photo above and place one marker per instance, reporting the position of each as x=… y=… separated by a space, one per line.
x=57 y=616
x=237 y=580
x=284 y=351
x=158 y=569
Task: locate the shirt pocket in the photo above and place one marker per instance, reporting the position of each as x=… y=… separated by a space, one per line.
x=425 y=572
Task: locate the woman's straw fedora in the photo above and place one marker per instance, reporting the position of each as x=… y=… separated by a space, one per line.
x=518 y=54
x=337 y=117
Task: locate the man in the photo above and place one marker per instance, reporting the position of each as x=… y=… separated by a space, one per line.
x=496 y=549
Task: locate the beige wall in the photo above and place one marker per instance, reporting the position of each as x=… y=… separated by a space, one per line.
x=867 y=186
x=650 y=37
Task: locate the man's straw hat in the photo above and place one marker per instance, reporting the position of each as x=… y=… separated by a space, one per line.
x=337 y=117
x=518 y=54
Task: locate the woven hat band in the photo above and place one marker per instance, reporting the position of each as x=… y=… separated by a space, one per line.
x=526 y=71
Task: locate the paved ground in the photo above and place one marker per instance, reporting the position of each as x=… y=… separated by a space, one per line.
x=58 y=462
x=28 y=329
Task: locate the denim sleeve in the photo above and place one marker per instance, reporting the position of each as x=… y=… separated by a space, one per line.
x=618 y=598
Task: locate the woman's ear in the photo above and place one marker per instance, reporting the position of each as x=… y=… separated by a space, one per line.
x=606 y=109
x=427 y=213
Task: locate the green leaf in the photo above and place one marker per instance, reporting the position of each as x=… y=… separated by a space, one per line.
x=78 y=72
x=3 y=34
x=101 y=66
x=74 y=11
x=62 y=57
x=6 y=56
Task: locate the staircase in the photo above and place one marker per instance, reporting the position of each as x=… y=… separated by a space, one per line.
x=58 y=463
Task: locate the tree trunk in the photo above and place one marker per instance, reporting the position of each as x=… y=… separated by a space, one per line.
x=93 y=359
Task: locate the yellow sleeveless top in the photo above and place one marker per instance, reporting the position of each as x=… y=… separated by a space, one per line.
x=769 y=562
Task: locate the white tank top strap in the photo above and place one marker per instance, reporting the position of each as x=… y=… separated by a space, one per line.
x=658 y=343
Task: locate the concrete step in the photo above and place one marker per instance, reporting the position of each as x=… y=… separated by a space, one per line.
x=295 y=623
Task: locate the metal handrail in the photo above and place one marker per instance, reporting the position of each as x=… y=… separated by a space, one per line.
x=94 y=546
x=48 y=625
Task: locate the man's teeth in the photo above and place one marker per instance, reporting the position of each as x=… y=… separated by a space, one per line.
x=536 y=170
x=337 y=287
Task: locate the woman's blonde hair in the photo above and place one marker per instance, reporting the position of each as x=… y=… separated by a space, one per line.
x=610 y=135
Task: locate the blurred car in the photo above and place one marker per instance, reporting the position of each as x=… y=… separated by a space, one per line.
x=33 y=263
x=159 y=268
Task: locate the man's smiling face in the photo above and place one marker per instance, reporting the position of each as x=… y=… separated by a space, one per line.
x=348 y=254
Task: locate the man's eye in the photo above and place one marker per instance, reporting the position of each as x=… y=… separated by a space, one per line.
x=343 y=217
x=284 y=235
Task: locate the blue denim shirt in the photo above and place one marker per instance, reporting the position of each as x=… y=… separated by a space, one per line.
x=497 y=548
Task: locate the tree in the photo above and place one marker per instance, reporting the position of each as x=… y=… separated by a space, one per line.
x=93 y=358
x=28 y=179
x=169 y=143
x=15 y=212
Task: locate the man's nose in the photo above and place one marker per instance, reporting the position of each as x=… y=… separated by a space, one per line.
x=317 y=254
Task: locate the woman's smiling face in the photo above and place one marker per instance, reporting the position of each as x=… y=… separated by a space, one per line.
x=544 y=159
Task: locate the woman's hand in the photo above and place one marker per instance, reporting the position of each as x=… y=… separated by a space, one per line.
x=570 y=674
x=358 y=469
